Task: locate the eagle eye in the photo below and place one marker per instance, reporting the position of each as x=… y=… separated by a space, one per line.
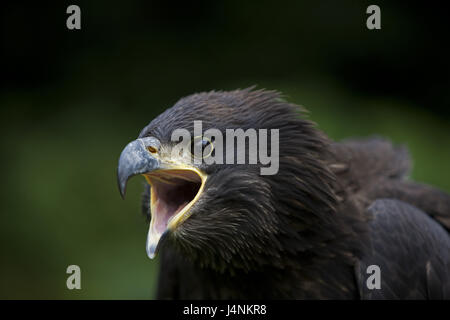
x=152 y=149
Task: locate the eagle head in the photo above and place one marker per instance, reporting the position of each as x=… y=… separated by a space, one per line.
x=230 y=214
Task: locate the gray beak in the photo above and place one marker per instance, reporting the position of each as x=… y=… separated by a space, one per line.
x=136 y=159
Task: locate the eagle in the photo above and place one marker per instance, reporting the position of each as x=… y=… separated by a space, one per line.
x=338 y=220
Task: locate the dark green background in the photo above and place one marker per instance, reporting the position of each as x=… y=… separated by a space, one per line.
x=71 y=100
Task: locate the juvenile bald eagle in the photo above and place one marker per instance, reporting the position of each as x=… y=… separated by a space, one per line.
x=311 y=231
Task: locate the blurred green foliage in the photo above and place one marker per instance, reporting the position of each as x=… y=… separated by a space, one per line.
x=61 y=138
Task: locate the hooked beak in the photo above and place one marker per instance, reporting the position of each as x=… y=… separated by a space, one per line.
x=135 y=159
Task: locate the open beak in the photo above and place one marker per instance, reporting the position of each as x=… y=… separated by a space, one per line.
x=175 y=187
